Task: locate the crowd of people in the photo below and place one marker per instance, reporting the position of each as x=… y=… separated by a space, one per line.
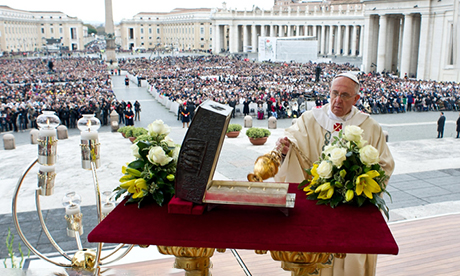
x=69 y=86
x=283 y=88
x=72 y=86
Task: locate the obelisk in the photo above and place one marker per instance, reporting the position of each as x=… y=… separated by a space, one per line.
x=110 y=36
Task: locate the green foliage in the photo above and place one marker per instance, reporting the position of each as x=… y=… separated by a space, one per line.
x=256 y=132
x=234 y=127
x=91 y=29
x=127 y=130
x=138 y=131
x=9 y=246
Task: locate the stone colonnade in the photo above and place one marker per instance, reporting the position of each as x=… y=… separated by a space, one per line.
x=333 y=39
x=392 y=43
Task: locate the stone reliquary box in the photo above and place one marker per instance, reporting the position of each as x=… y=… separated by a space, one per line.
x=197 y=162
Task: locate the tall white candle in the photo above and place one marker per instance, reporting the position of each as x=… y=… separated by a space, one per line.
x=89 y=135
x=106 y=208
x=48 y=132
x=72 y=209
x=47 y=168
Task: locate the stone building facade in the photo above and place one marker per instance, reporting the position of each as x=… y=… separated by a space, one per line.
x=418 y=39
x=30 y=30
x=180 y=29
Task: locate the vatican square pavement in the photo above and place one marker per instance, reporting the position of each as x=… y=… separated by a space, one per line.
x=426 y=180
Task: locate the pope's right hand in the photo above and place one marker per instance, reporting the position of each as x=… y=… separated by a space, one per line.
x=283 y=145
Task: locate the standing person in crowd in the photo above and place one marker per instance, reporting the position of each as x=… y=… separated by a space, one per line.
x=232 y=103
x=126 y=81
x=246 y=106
x=310 y=133
x=441 y=122
x=185 y=115
x=458 y=126
x=191 y=108
x=137 y=111
x=120 y=111
x=260 y=111
x=129 y=115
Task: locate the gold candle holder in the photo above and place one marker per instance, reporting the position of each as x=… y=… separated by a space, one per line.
x=46 y=176
x=90 y=152
x=266 y=166
x=47 y=148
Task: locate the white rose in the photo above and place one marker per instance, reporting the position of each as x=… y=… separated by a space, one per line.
x=157 y=128
x=135 y=150
x=169 y=141
x=369 y=155
x=353 y=133
x=324 y=169
x=176 y=153
x=157 y=156
x=327 y=150
x=337 y=156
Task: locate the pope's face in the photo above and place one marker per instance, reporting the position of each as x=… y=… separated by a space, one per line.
x=343 y=96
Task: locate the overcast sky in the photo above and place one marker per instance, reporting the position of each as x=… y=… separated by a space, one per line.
x=93 y=10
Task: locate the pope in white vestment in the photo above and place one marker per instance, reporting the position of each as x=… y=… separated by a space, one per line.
x=312 y=131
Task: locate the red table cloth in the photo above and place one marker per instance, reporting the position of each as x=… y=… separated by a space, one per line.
x=308 y=228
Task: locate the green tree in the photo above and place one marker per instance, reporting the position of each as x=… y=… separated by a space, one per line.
x=91 y=29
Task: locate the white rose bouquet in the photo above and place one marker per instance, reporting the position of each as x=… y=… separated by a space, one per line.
x=151 y=175
x=348 y=171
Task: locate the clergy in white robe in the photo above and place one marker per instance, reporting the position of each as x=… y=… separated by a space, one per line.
x=313 y=130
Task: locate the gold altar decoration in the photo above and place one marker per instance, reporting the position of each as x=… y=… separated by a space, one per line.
x=85 y=258
x=194 y=260
x=303 y=263
x=266 y=166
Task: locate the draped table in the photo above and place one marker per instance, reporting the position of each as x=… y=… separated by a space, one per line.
x=304 y=241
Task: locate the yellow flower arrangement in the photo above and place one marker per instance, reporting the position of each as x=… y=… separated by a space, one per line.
x=347 y=172
x=151 y=175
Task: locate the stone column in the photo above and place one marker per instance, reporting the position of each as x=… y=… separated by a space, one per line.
x=272 y=31
x=331 y=39
x=110 y=36
x=314 y=30
x=423 y=47
x=346 y=42
x=280 y=31
x=367 y=50
x=233 y=38
x=216 y=47
x=245 y=38
x=339 y=40
x=262 y=30
x=382 y=49
x=323 y=39
x=353 y=40
x=361 y=41
x=254 y=38
x=406 y=45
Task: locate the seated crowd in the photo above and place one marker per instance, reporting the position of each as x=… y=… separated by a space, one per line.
x=282 y=89
x=77 y=85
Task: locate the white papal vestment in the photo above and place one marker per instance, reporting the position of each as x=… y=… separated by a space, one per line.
x=308 y=134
